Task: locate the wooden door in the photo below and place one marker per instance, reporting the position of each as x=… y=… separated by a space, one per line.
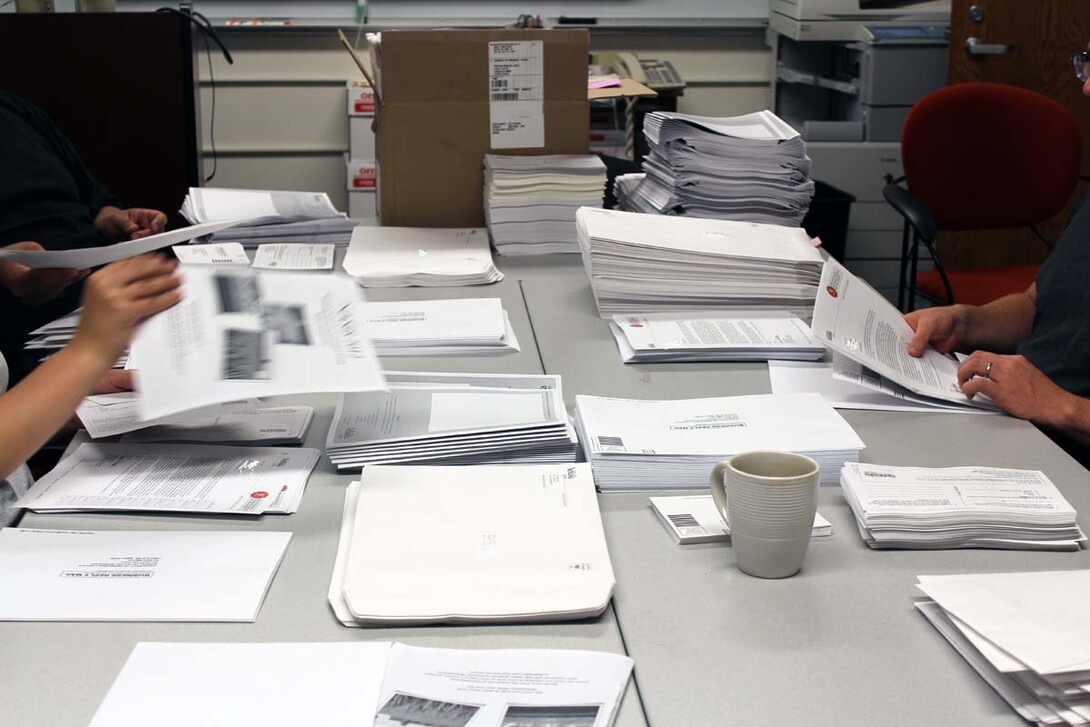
x=1041 y=35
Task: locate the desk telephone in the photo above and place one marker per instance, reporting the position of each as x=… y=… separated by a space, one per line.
x=659 y=75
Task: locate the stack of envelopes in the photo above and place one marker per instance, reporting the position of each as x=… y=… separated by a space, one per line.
x=57 y=334
x=451 y=327
x=1026 y=634
x=959 y=507
x=655 y=264
x=530 y=201
x=453 y=419
x=673 y=445
x=752 y=168
x=473 y=544
x=281 y=217
x=399 y=257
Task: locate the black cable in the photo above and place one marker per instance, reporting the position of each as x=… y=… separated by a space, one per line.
x=212 y=115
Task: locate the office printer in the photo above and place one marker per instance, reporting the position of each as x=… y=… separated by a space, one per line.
x=840 y=20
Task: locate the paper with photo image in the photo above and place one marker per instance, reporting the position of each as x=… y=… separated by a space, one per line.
x=240 y=334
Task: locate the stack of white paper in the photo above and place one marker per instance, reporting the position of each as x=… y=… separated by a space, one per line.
x=239 y=334
x=1026 y=634
x=453 y=419
x=67 y=575
x=959 y=507
x=696 y=519
x=752 y=168
x=364 y=683
x=492 y=544
x=239 y=422
x=175 y=478
x=697 y=337
x=398 y=257
x=672 y=445
x=453 y=327
x=54 y=336
x=281 y=217
x=624 y=189
x=871 y=336
x=530 y=201
x=642 y=264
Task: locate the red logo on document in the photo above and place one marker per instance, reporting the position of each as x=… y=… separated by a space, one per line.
x=259 y=495
x=831 y=290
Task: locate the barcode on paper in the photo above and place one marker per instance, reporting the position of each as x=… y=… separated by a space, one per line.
x=506 y=96
x=611 y=444
x=686 y=525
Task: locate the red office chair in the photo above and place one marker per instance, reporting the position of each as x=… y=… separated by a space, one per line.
x=980 y=156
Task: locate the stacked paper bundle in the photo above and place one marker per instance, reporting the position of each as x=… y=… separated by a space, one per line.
x=624 y=190
x=669 y=338
x=399 y=257
x=672 y=445
x=642 y=264
x=530 y=201
x=1026 y=634
x=456 y=419
x=283 y=217
x=52 y=337
x=502 y=576
x=457 y=326
x=752 y=168
x=959 y=507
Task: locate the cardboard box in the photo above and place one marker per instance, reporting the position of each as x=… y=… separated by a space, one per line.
x=448 y=97
x=361 y=174
x=361 y=98
x=361 y=137
x=362 y=205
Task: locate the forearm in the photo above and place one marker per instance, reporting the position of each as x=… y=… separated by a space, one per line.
x=1073 y=417
x=42 y=403
x=998 y=326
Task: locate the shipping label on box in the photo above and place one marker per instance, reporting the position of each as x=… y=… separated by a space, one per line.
x=361 y=99
x=362 y=175
x=516 y=84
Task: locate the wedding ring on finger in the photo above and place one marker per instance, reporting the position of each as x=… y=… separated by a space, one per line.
x=988 y=370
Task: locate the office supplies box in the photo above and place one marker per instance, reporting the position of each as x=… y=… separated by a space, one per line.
x=448 y=97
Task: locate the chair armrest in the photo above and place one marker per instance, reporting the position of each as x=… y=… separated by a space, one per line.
x=913 y=210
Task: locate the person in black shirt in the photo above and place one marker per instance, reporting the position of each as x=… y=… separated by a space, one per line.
x=1031 y=349
x=48 y=199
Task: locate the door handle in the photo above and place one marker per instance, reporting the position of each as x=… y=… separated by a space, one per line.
x=977 y=47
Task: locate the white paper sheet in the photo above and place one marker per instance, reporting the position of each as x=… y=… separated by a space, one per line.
x=64 y=575
x=294 y=256
x=225 y=253
x=405 y=256
x=175 y=478
x=247 y=685
x=107 y=415
x=92 y=257
x=239 y=334
x=696 y=519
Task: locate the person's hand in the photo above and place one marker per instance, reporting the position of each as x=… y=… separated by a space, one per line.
x=1015 y=385
x=129 y=224
x=120 y=296
x=944 y=328
x=114 y=381
x=36 y=285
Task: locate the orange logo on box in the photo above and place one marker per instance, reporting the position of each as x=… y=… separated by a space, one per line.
x=831 y=290
x=259 y=495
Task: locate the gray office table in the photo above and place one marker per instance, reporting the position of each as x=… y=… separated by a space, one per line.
x=56 y=674
x=840 y=643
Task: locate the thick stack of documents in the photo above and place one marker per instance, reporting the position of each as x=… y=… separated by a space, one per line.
x=54 y=336
x=672 y=445
x=624 y=190
x=871 y=336
x=175 y=478
x=698 y=337
x=959 y=507
x=71 y=575
x=453 y=419
x=530 y=201
x=239 y=334
x=696 y=519
x=280 y=217
x=752 y=168
x=399 y=257
x=238 y=422
x=452 y=327
x=492 y=544
x=364 y=683
x=1026 y=634
x=654 y=264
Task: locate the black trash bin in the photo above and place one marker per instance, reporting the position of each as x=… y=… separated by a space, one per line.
x=828 y=217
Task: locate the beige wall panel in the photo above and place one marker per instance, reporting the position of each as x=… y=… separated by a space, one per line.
x=302 y=173
x=724 y=100
x=286 y=117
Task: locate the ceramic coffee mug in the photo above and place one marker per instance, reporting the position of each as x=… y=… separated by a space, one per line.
x=768 y=500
